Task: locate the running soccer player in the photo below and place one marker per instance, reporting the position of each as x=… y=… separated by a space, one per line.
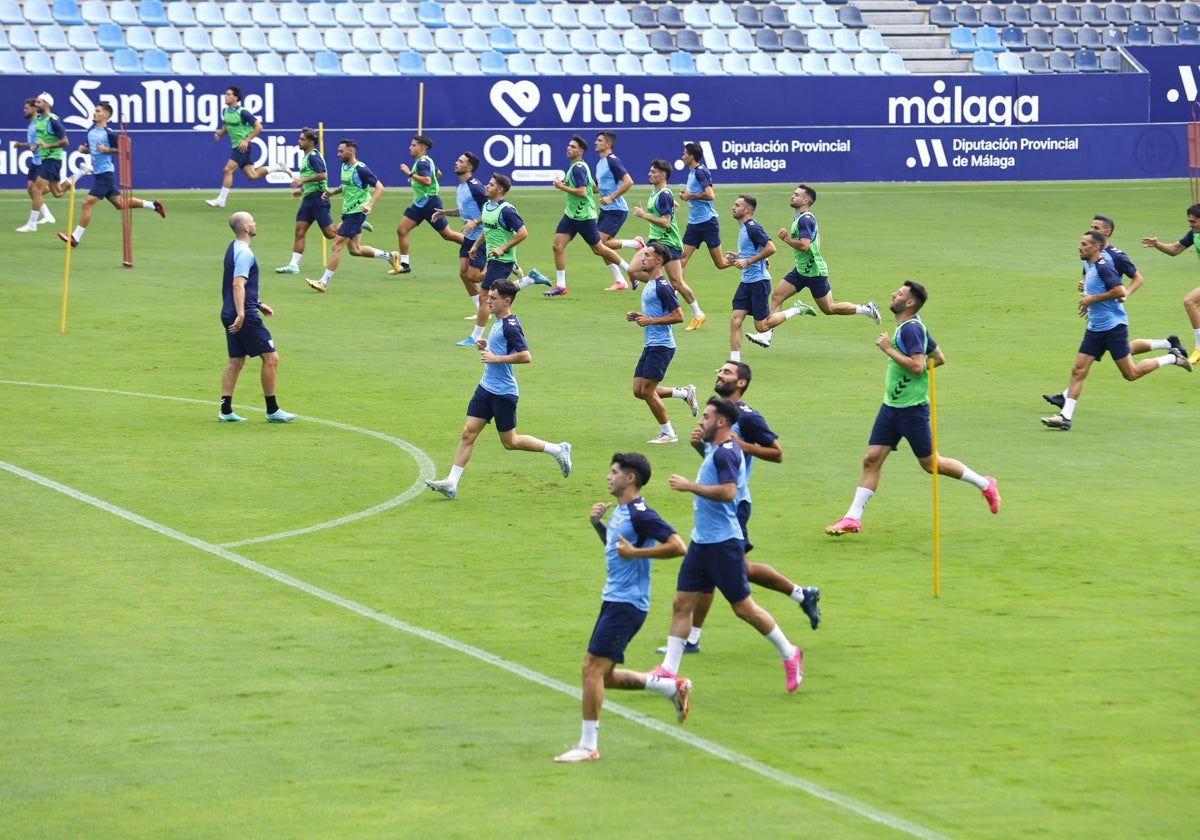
x=660 y=215
x=242 y=127
x=703 y=225
x=612 y=182
x=424 y=176
x=310 y=185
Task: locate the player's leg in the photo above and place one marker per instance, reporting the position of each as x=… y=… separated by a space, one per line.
x=229 y=381
x=674 y=271
x=1191 y=305
x=407 y=224
x=504 y=407
x=885 y=435
x=736 y=319
x=231 y=166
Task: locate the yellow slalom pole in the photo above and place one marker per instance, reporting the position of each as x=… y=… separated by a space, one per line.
x=62 y=324
x=936 y=522
x=420 y=107
x=321 y=146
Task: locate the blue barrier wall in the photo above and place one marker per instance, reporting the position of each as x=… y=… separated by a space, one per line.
x=917 y=128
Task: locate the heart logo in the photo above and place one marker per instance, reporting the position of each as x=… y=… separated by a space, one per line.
x=515 y=100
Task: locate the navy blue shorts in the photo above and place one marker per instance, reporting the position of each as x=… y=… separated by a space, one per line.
x=464 y=253
x=313 y=208
x=502 y=408
x=352 y=225
x=703 y=233
x=31 y=171
x=743 y=515
x=1097 y=342
x=50 y=170
x=754 y=298
x=611 y=221
x=586 y=228
x=819 y=286
x=425 y=213
x=675 y=255
x=104 y=185
x=496 y=270
x=653 y=362
x=242 y=159
x=709 y=566
x=615 y=628
x=910 y=423
x=253 y=339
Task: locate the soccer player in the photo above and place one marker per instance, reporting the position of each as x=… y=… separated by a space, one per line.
x=310 y=185
x=424 y=176
x=703 y=225
x=660 y=215
x=634 y=536
x=905 y=410
x=245 y=333
x=753 y=293
x=48 y=140
x=356 y=204
x=612 y=182
x=496 y=395
x=756 y=440
x=579 y=217
x=811 y=271
x=470 y=196
x=660 y=309
x=1108 y=331
x=102 y=145
x=716 y=554
x=42 y=214
x=1191 y=301
x=242 y=127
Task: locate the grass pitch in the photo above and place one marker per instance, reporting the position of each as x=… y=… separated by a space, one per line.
x=173 y=666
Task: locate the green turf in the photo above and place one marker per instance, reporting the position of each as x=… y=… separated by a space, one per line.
x=153 y=687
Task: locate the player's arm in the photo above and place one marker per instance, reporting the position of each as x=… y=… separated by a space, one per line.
x=1171 y=249
x=57 y=130
x=914 y=363
x=1135 y=282
x=254 y=132
x=239 y=304
x=376 y=194
x=517 y=238
x=772 y=451
x=423 y=180
x=597 y=519
x=725 y=492
x=672 y=546
x=621 y=189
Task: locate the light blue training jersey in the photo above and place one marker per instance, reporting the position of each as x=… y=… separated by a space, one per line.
x=1098 y=278
x=658 y=299
x=505 y=338
x=752 y=239
x=699 y=209
x=628 y=581
x=717 y=521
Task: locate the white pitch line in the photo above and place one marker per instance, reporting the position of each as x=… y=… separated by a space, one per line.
x=424 y=462
x=710 y=747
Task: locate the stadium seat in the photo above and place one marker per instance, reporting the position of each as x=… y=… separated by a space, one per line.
x=762 y=64
x=140 y=38
x=967 y=15
x=310 y=40
x=942 y=16
x=297 y=64
x=40 y=64
x=458 y=15
x=1061 y=62
x=1064 y=38
x=616 y=16
x=628 y=64
x=237 y=15
x=689 y=41
x=514 y=18
x=1010 y=64
x=1092 y=14
x=600 y=64
x=814 y=64
x=484 y=16
x=169 y=40
x=592 y=18
x=242 y=64
x=254 y=41
x=1016 y=14
x=37 y=13
x=66 y=13
x=663 y=41
x=574 y=65
x=421 y=40
x=795 y=41
x=403 y=15
x=1113 y=37
x=1035 y=62
x=11 y=15
x=851 y=17
x=264 y=15
x=375 y=15
x=609 y=41
x=53 y=37
x=448 y=41
x=742 y=40
x=503 y=40
x=1042 y=15
x=670 y=17
x=749 y=17
x=866 y=64
x=583 y=42
x=1087 y=61
x=24 y=39
x=643 y=17
x=94 y=12
x=788 y=64
x=825 y=17
x=547 y=64
x=841 y=64
x=1189 y=13
x=184 y=64
x=365 y=42
x=109 y=36
x=1067 y=15
x=465 y=64
x=382 y=64
x=528 y=41
x=696 y=17
x=80 y=38
x=983 y=62
x=269 y=64
x=1188 y=34
x=714 y=41
x=325 y=63
x=125 y=62
x=682 y=64
x=122 y=11
x=492 y=63
x=1163 y=36
x=181 y=15
x=475 y=40
x=209 y=15
x=214 y=64
x=1039 y=39
x=1141 y=13
x=556 y=41
x=67 y=63
x=768 y=41
x=99 y=64
x=410 y=63
x=1117 y=15
x=564 y=17
x=429 y=15
x=962 y=40
x=635 y=42
x=892 y=64
x=354 y=64
x=1089 y=38
x=1111 y=61
x=282 y=41
x=845 y=41
x=721 y=16
x=990 y=14
x=872 y=41
x=819 y=41
x=1165 y=13
x=1012 y=38
x=1138 y=35
x=708 y=64
x=734 y=64
x=521 y=65
x=775 y=17
x=987 y=38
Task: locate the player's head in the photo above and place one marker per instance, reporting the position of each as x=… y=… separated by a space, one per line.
x=653 y=257
x=309 y=138
x=420 y=145
x=916 y=293
x=605 y=140
x=103 y=112
x=233 y=94
x=803 y=196
x=719 y=413
x=633 y=464
x=576 y=147
x=44 y=102
x=1104 y=224
x=1091 y=244
x=744 y=206
x=347 y=149
x=660 y=171
x=31 y=107
x=732 y=378
x=243 y=224
x=467 y=162
x=505 y=290
x=1193 y=212
x=500 y=184
x=693 y=151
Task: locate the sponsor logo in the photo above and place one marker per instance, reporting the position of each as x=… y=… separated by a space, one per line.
x=164 y=102
x=514 y=101
x=592 y=103
x=930 y=153
x=957 y=108
x=1187 y=78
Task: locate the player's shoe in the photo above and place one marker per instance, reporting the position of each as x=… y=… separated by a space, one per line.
x=74 y=242
x=159 y=209
x=991 y=494
x=397 y=266
x=1181 y=359
x=230 y=418
x=1195 y=357
x=688 y=647
x=682 y=699
x=444 y=487
x=1056 y=400
x=639 y=243
x=1175 y=343
x=564 y=459
x=47 y=217
x=663 y=437
x=660 y=671
x=762 y=339
x=805 y=309
x=1057 y=422
x=538 y=278
x=845 y=525
x=368 y=227
x=872 y=312
x=288 y=269
x=696 y=323
x=27 y=229
x=315 y=284
x=280 y=416
x=214 y=202
x=466 y=342
x=794 y=669
x=690 y=399
x=557 y=291
x=577 y=754
x=809 y=604
x=85 y=168
x=618 y=286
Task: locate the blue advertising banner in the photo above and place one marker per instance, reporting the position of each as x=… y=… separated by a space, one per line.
x=915 y=128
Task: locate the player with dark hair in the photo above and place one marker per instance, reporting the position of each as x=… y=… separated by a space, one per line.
x=102 y=146
x=905 y=410
x=1108 y=331
x=634 y=536
x=48 y=140
x=242 y=127
x=1191 y=301
x=424 y=176
x=496 y=395
x=470 y=196
x=39 y=212
x=704 y=224
x=659 y=213
x=310 y=186
x=612 y=182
